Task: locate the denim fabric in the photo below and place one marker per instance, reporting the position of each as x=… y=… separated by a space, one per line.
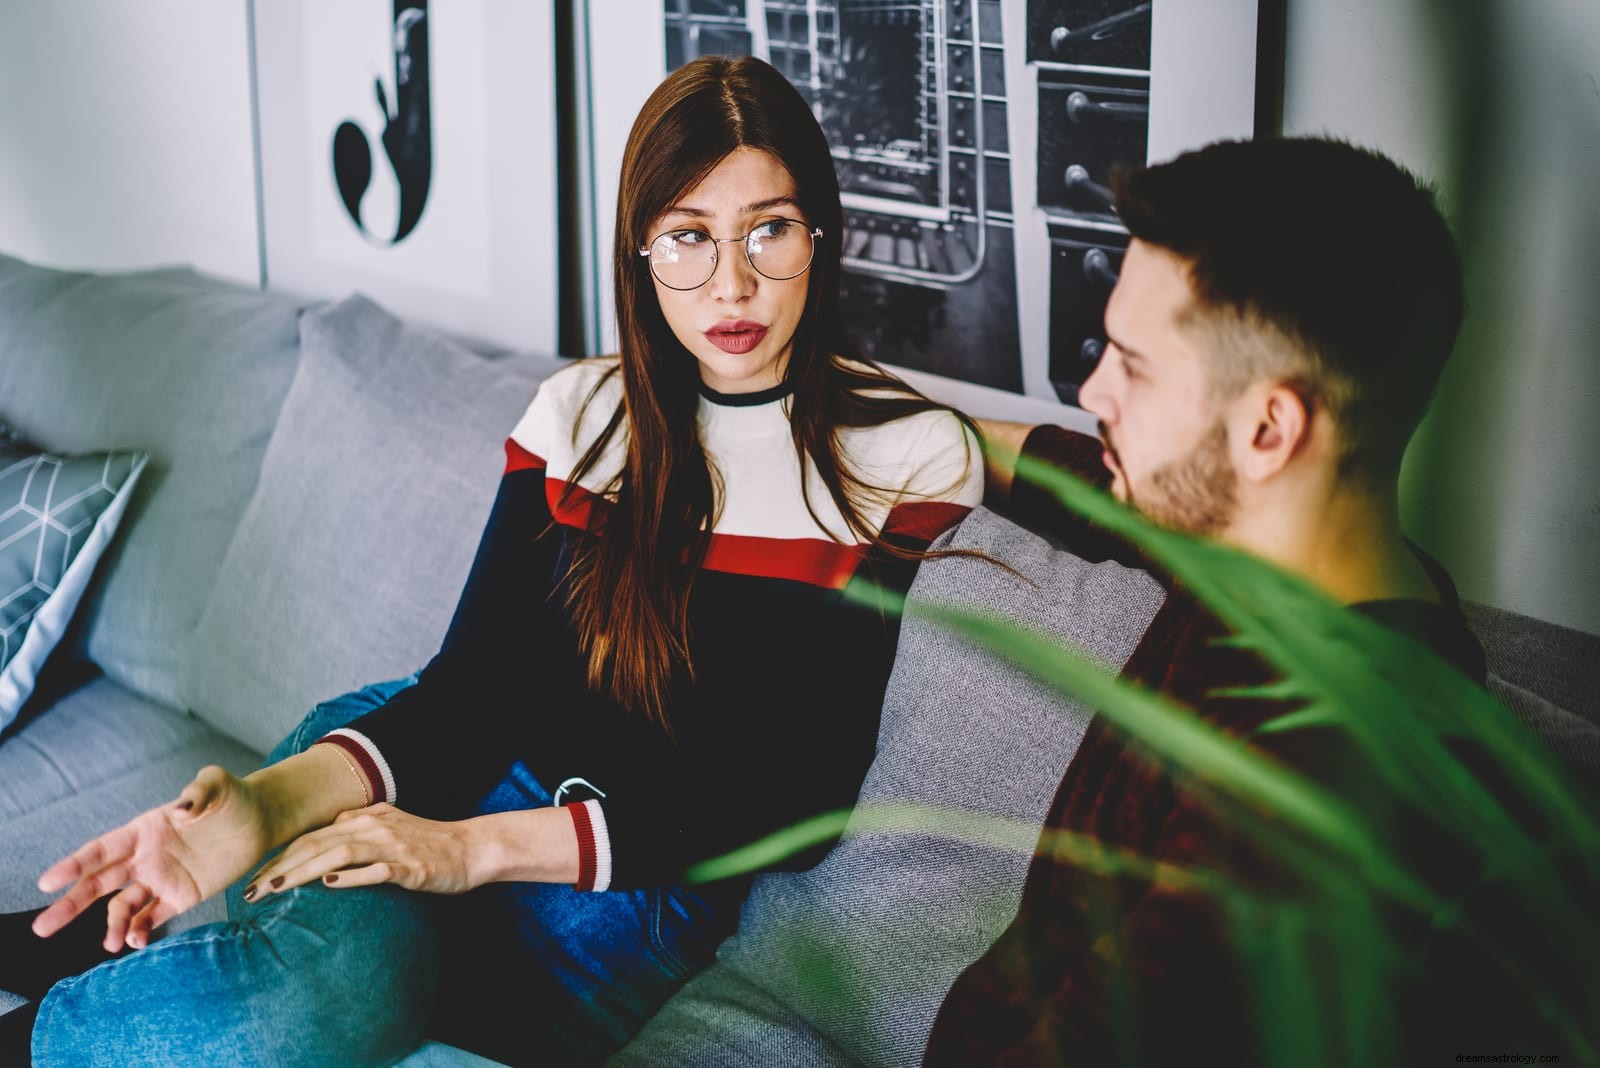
x=317 y=976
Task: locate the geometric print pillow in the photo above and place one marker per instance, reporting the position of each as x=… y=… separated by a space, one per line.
x=57 y=515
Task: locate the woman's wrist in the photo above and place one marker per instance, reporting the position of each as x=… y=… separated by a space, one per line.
x=304 y=792
x=537 y=845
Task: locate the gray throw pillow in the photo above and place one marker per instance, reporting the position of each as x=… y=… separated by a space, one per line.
x=57 y=516
x=350 y=557
x=850 y=960
x=191 y=369
x=1572 y=738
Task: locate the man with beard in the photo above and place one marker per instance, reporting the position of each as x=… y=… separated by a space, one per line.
x=1282 y=315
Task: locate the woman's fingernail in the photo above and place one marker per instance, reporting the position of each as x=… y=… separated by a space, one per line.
x=277 y=882
x=330 y=878
x=250 y=893
x=185 y=805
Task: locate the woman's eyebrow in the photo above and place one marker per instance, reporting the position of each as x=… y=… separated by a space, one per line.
x=748 y=209
x=770 y=202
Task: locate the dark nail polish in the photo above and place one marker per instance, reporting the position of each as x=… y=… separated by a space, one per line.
x=277 y=882
x=186 y=805
x=330 y=878
x=249 y=893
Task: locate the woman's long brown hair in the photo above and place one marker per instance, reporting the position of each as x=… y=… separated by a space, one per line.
x=632 y=576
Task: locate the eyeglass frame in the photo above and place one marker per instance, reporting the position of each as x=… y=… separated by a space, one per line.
x=716 y=254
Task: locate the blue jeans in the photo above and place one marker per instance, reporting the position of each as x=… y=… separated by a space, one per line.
x=320 y=977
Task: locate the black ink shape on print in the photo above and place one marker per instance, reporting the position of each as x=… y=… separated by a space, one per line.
x=407 y=133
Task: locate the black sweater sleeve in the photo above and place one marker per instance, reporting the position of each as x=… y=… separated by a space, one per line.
x=447 y=740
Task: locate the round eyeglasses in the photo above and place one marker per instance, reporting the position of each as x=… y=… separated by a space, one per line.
x=778 y=249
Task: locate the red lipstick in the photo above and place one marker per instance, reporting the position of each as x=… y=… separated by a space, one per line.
x=736 y=336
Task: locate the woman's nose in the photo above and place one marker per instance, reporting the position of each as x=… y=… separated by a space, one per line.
x=732 y=278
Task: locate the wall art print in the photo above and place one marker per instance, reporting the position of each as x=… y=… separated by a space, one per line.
x=973 y=140
x=407 y=151
x=406 y=135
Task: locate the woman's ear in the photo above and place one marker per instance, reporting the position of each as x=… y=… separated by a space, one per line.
x=1270 y=426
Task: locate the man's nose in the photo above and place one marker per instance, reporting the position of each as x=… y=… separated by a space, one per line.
x=732 y=278
x=1094 y=396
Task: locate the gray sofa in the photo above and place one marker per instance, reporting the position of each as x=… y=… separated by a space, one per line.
x=319 y=475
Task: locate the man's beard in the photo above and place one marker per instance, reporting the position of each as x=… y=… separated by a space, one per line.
x=1196 y=493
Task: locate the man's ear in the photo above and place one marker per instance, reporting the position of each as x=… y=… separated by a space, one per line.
x=1271 y=425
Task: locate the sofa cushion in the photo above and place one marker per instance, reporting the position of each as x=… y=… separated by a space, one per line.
x=57 y=516
x=350 y=557
x=1559 y=664
x=862 y=948
x=1575 y=740
x=189 y=369
x=722 y=1019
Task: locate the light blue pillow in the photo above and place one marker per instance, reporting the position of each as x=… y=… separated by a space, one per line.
x=57 y=515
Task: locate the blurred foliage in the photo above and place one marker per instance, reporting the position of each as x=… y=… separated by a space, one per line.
x=1320 y=947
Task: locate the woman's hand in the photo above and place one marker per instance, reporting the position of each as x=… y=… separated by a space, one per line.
x=380 y=844
x=162 y=862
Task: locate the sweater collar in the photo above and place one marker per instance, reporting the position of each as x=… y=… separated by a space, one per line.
x=746 y=400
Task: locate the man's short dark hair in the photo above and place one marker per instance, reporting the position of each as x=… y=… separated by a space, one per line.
x=1337 y=249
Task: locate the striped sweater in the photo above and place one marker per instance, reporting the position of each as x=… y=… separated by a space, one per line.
x=780 y=719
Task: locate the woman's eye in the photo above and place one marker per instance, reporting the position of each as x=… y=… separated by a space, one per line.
x=689 y=238
x=772 y=230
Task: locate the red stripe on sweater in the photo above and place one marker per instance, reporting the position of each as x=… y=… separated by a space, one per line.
x=520 y=459
x=579 y=505
x=586 y=853
x=924 y=520
x=812 y=560
x=363 y=759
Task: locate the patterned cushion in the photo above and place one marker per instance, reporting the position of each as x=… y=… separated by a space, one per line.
x=57 y=515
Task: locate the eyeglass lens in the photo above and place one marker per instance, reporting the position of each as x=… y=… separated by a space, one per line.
x=686 y=259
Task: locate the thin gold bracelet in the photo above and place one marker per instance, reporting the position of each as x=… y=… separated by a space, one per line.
x=366 y=791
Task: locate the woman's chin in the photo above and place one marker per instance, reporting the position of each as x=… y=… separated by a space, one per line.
x=727 y=372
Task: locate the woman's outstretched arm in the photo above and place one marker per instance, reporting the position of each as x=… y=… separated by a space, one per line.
x=169 y=859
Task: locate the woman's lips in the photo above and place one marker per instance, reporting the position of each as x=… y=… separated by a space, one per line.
x=738 y=337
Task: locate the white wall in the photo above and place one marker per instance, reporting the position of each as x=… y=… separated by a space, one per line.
x=125 y=135
x=1503 y=481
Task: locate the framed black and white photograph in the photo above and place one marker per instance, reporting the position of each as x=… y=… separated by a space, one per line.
x=408 y=151
x=973 y=140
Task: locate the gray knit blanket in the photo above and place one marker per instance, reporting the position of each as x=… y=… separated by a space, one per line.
x=847 y=963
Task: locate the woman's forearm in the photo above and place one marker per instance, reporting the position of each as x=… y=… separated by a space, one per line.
x=307 y=791
x=536 y=845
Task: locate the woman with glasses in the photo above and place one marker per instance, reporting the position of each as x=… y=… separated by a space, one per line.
x=655 y=639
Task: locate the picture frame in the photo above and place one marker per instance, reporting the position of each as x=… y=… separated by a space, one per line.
x=974 y=263
x=407 y=151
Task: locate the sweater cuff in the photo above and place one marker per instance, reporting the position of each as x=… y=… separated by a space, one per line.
x=594 y=845
x=368 y=759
